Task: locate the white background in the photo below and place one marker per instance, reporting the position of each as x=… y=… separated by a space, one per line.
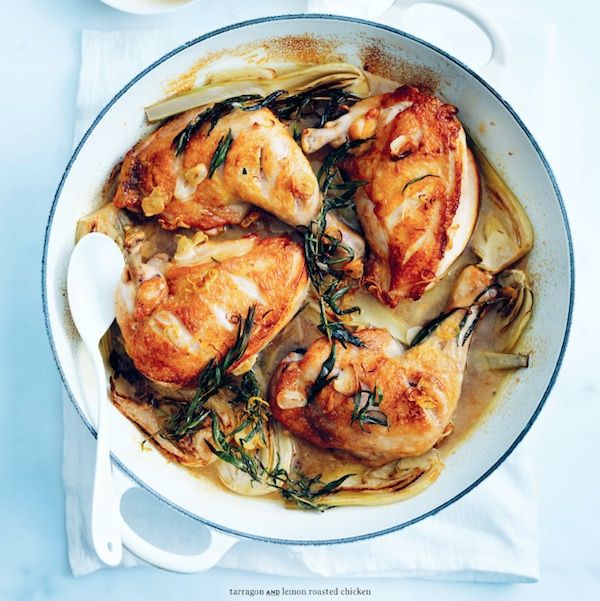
x=39 y=63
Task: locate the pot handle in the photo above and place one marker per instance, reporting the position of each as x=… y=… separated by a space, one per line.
x=393 y=12
x=219 y=544
x=496 y=64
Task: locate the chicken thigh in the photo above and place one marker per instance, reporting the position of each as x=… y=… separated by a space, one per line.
x=380 y=403
x=262 y=167
x=420 y=204
x=175 y=316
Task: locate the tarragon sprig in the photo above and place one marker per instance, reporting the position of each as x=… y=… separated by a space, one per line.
x=302 y=490
x=187 y=419
x=220 y=154
x=326 y=254
x=284 y=106
x=366 y=408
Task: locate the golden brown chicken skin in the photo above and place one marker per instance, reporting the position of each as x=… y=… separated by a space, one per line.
x=264 y=167
x=417 y=390
x=420 y=204
x=177 y=315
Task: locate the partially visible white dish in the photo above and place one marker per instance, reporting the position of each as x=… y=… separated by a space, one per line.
x=148 y=7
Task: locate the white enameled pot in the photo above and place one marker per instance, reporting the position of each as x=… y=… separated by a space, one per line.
x=509 y=146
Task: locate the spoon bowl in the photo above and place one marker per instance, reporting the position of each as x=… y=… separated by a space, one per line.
x=94 y=271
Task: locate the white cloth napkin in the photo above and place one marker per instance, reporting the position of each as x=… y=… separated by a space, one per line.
x=489 y=535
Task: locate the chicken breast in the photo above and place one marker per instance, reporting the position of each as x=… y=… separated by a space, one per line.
x=263 y=167
x=175 y=316
x=381 y=403
x=420 y=204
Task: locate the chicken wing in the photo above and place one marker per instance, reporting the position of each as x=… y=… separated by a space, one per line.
x=177 y=315
x=379 y=402
x=420 y=205
x=263 y=166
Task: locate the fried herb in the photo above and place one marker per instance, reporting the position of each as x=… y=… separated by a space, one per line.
x=338 y=100
x=253 y=424
x=246 y=389
x=417 y=179
x=284 y=106
x=335 y=330
x=329 y=167
x=326 y=254
x=324 y=376
x=255 y=413
x=302 y=490
x=220 y=154
x=467 y=327
x=187 y=419
x=232 y=453
x=366 y=408
x=210 y=115
x=267 y=101
x=479 y=304
x=324 y=104
x=430 y=327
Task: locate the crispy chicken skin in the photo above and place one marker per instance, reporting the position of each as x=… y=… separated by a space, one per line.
x=177 y=315
x=420 y=205
x=264 y=167
x=420 y=387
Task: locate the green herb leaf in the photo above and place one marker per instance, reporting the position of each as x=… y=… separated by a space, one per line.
x=247 y=388
x=214 y=376
x=479 y=304
x=329 y=166
x=220 y=154
x=333 y=107
x=267 y=101
x=284 y=106
x=255 y=413
x=302 y=490
x=430 y=327
x=335 y=330
x=366 y=410
x=483 y=300
x=417 y=179
x=323 y=378
x=325 y=254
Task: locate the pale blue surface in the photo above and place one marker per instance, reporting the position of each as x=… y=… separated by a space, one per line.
x=40 y=62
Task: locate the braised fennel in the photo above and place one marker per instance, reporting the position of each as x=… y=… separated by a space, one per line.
x=213 y=377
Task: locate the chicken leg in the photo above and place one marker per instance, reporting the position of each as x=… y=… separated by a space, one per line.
x=379 y=402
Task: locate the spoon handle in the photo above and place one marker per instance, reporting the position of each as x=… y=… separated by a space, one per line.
x=106 y=534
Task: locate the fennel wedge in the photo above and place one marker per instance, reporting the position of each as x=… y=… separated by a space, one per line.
x=328 y=75
x=504 y=233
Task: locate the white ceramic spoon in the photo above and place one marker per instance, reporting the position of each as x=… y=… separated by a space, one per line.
x=94 y=271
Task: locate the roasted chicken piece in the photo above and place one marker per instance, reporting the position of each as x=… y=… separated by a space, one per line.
x=384 y=403
x=263 y=167
x=175 y=316
x=420 y=204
